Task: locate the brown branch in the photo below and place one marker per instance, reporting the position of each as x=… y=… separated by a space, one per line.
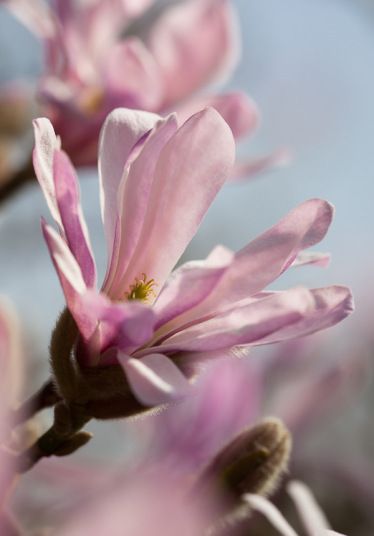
x=17 y=181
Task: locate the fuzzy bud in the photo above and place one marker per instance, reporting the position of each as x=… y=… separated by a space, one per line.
x=252 y=463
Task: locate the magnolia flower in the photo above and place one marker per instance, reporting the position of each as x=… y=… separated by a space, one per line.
x=157 y=180
x=108 y=53
x=313 y=519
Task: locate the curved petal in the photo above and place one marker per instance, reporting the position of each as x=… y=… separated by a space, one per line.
x=71 y=280
x=133 y=199
x=154 y=379
x=251 y=168
x=190 y=171
x=122 y=129
x=193 y=43
x=309 y=512
x=330 y=306
x=272 y=514
x=131 y=75
x=237 y=109
x=270 y=254
x=123 y=326
x=46 y=143
x=316 y=258
x=74 y=226
x=247 y=323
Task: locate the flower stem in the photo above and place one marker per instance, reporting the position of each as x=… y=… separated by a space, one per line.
x=63 y=437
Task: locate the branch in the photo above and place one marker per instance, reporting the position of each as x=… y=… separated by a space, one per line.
x=17 y=181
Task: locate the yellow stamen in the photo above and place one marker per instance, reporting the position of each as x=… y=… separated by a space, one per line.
x=141 y=289
x=92 y=100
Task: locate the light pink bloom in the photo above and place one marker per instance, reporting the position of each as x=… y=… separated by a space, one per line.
x=146 y=503
x=223 y=401
x=157 y=181
x=108 y=53
x=313 y=519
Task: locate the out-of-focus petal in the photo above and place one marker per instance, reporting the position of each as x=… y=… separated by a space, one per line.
x=122 y=129
x=249 y=169
x=190 y=171
x=193 y=43
x=314 y=520
x=225 y=398
x=74 y=226
x=272 y=514
x=154 y=379
x=316 y=258
x=236 y=108
x=131 y=74
x=34 y=15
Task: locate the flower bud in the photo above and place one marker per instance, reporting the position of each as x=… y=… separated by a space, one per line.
x=252 y=463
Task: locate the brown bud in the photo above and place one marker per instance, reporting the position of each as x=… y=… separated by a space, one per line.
x=252 y=463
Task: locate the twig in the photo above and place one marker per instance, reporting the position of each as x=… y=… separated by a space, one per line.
x=17 y=181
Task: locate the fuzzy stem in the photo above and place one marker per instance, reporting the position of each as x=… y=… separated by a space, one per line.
x=64 y=428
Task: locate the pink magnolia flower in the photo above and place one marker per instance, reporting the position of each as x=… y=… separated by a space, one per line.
x=157 y=180
x=313 y=520
x=108 y=53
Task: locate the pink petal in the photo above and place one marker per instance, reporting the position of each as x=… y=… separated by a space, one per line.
x=67 y=197
x=190 y=284
x=251 y=168
x=247 y=323
x=330 y=306
x=123 y=326
x=121 y=131
x=265 y=258
x=71 y=280
x=132 y=75
x=194 y=43
x=34 y=15
x=236 y=108
x=133 y=199
x=316 y=258
x=45 y=145
x=154 y=379
x=272 y=514
x=190 y=171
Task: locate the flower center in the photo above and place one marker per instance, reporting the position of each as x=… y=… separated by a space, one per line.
x=142 y=289
x=92 y=100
